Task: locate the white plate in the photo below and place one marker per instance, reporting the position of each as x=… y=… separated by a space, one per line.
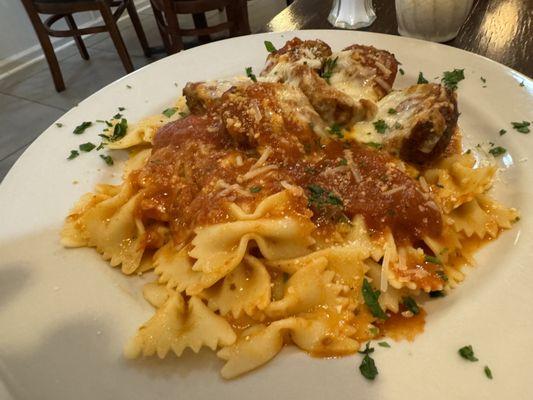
x=65 y=315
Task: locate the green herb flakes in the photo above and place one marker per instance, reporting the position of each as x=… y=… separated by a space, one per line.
x=59 y=124
x=81 y=127
x=119 y=130
x=436 y=294
x=432 y=259
x=269 y=46
x=502 y=132
x=488 y=372
x=255 y=189
x=498 y=151
x=117 y=116
x=320 y=197
x=392 y=111
x=128 y=87
x=327 y=70
x=384 y=344
x=421 y=79
x=483 y=80
x=452 y=78
x=73 y=154
x=108 y=160
x=336 y=130
x=368 y=366
x=87 y=147
x=374 y=145
x=411 y=305
x=522 y=127
x=250 y=74
x=380 y=126
x=121 y=108
x=371 y=298
x=343 y=161
x=467 y=352
x=169 y=112
x=402 y=72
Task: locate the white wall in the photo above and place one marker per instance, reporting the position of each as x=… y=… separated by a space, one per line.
x=18 y=41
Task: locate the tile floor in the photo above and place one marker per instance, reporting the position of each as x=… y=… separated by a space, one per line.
x=29 y=103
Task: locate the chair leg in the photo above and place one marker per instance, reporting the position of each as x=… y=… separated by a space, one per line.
x=160 y=23
x=116 y=36
x=200 y=21
x=173 y=29
x=46 y=45
x=77 y=38
x=132 y=11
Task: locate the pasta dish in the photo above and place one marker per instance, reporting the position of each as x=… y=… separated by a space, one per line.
x=311 y=205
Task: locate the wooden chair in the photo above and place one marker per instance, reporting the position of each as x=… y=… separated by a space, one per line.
x=166 y=16
x=64 y=9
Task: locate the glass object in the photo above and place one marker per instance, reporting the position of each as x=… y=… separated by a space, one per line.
x=352 y=14
x=434 y=20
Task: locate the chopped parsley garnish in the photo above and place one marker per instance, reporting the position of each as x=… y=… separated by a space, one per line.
x=432 y=259
x=467 y=352
x=250 y=74
x=397 y=125
x=169 y=112
x=329 y=66
x=522 y=84
x=421 y=78
x=380 y=126
x=367 y=350
x=121 y=108
x=522 y=127
x=119 y=130
x=373 y=331
x=497 y=151
x=411 y=305
x=128 y=87
x=442 y=275
x=59 y=124
x=100 y=146
x=255 y=189
x=86 y=147
x=73 y=154
x=384 y=344
x=108 y=160
x=392 y=111
x=436 y=293
x=336 y=130
x=483 y=80
x=320 y=197
x=117 y=116
x=371 y=300
x=374 y=145
x=368 y=366
x=269 y=46
x=343 y=161
x=502 y=132
x=488 y=372
x=452 y=78
x=183 y=114
x=81 y=127
x=402 y=71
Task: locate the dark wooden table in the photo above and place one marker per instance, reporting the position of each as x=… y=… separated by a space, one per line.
x=498 y=29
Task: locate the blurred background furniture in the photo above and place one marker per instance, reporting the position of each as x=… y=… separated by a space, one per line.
x=166 y=14
x=498 y=29
x=63 y=9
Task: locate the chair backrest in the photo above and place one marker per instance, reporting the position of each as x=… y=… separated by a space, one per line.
x=236 y=13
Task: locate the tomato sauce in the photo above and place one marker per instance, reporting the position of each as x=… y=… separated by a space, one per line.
x=201 y=163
